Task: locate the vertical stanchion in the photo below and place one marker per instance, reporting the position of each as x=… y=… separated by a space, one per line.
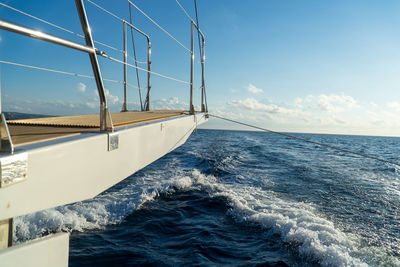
x=105 y=117
x=191 y=71
x=124 y=105
x=203 y=57
x=147 y=108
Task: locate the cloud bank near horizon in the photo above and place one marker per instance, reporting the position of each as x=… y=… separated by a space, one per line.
x=318 y=113
x=322 y=113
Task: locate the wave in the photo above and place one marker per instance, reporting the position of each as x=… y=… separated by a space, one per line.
x=314 y=238
x=109 y=208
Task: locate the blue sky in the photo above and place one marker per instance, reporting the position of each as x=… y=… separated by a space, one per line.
x=302 y=66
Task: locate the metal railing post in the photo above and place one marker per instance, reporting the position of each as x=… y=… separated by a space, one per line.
x=125 y=105
x=105 y=117
x=203 y=57
x=6 y=145
x=147 y=108
x=147 y=102
x=191 y=71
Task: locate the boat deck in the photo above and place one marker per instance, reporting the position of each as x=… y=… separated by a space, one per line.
x=40 y=129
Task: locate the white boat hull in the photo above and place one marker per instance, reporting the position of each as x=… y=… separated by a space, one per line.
x=73 y=169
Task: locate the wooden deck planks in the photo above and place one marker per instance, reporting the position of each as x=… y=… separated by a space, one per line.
x=41 y=129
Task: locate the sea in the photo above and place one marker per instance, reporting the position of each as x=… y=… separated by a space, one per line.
x=241 y=198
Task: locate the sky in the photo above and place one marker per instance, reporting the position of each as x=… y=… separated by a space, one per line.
x=295 y=66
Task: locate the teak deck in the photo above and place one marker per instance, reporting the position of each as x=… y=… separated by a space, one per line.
x=41 y=129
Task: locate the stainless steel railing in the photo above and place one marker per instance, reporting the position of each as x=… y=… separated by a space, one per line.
x=203 y=107
x=105 y=117
x=147 y=101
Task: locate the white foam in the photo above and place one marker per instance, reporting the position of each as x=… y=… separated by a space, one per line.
x=297 y=223
x=106 y=209
x=300 y=226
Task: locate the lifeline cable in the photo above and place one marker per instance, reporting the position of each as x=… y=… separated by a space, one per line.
x=161 y=28
x=56 y=26
x=62 y=72
x=309 y=141
x=152 y=72
x=184 y=10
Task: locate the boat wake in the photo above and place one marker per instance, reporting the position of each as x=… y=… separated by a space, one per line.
x=305 y=232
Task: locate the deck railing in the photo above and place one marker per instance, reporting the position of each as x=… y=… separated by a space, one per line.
x=105 y=117
x=147 y=101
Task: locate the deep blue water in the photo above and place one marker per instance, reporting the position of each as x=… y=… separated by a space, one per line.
x=243 y=199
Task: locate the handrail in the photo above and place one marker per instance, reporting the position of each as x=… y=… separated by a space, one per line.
x=88 y=48
x=16 y=28
x=203 y=92
x=105 y=116
x=56 y=26
x=147 y=102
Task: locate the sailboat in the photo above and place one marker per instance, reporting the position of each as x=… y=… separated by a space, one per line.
x=52 y=161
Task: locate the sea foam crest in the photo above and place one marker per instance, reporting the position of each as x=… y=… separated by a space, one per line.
x=315 y=238
x=106 y=209
x=297 y=223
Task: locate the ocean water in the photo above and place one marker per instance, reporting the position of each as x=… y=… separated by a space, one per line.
x=241 y=198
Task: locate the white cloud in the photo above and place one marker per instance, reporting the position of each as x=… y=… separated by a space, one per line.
x=81 y=87
x=393 y=105
x=252 y=89
x=309 y=98
x=172 y=103
x=298 y=102
x=111 y=98
x=92 y=104
x=254 y=105
x=336 y=103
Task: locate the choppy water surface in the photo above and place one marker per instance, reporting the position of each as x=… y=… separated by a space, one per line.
x=241 y=198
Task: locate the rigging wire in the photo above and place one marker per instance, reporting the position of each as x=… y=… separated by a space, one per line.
x=134 y=54
x=184 y=10
x=200 y=50
x=147 y=16
x=155 y=23
x=122 y=20
x=198 y=33
x=91 y=77
x=39 y=19
x=198 y=37
x=61 y=72
x=309 y=141
x=139 y=68
x=104 y=55
x=58 y=27
x=105 y=10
